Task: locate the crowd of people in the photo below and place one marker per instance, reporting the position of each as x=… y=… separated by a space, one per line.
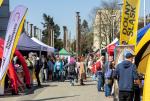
x=129 y=81
x=52 y=68
x=76 y=69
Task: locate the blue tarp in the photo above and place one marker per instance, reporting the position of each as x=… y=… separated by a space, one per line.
x=141 y=32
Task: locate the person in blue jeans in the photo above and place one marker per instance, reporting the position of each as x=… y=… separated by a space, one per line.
x=99 y=75
x=108 y=73
x=108 y=87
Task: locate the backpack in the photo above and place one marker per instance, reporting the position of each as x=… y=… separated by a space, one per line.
x=71 y=68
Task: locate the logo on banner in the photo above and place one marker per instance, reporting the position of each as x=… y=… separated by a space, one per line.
x=129 y=22
x=12 y=35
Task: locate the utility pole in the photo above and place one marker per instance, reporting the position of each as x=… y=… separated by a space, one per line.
x=70 y=41
x=78 y=33
x=27 y=27
x=144 y=14
x=37 y=33
x=34 y=35
x=64 y=41
x=31 y=26
x=53 y=38
x=40 y=34
x=65 y=37
x=113 y=25
x=52 y=32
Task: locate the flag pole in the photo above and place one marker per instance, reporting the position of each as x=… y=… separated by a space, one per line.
x=144 y=14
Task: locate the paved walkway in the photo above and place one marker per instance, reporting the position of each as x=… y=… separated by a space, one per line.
x=62 y=91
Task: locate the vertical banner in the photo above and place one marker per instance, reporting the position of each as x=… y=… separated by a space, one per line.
x=1 y=1
x=14 y=29
x=129 y=22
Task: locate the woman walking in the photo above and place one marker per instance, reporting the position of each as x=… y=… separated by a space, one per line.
x=58 y=67
x=82 y=71
x=71 y=71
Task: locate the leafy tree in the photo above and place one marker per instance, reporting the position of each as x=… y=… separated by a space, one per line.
x=58 y=44
x=86 y=37
x=49 y=24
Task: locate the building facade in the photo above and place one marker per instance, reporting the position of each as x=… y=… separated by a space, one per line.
x=106 y=25
x=4 y=17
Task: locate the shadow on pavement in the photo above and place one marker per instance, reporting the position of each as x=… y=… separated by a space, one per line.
x=85 y=84
x=27 y=91
x=33 y=89
x=52 y=98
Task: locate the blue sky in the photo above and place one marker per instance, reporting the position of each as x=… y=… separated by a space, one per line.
x=63 y=11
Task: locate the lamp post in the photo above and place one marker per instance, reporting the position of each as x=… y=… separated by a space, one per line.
x=120 y=4
x=113 y=25
x=78 y=20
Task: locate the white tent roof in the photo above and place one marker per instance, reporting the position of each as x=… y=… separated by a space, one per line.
x=50 y=49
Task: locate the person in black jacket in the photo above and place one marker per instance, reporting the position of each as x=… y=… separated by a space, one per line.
x=38 y=67
x=126 y=74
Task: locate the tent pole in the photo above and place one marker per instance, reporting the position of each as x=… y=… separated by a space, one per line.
x=40 y=53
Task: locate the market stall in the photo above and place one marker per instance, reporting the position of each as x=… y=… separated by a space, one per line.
x=49 y=49
x=25 y=43
x=142 y=59
x=64 y=53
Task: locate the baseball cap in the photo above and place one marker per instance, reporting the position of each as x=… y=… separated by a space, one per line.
x=129 y=55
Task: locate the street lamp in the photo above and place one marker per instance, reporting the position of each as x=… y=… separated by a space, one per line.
x=113 y=16
x=120 y=4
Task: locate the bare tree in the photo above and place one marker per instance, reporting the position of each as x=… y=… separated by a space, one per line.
x=108 y=24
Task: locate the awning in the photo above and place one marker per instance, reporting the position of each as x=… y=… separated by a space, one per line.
x=64 y=52
x=27 y=44
x=50 y=49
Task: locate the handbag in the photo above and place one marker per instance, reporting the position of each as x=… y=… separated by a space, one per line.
x=109 y=81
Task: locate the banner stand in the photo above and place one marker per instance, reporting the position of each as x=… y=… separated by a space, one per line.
x=2 y=85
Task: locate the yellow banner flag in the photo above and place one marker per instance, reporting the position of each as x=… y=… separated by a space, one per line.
x=1 y=1
x=129 y=22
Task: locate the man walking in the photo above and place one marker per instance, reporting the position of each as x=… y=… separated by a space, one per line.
x=126 y=74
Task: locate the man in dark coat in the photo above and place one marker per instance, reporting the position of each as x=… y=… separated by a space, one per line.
x=126 y=74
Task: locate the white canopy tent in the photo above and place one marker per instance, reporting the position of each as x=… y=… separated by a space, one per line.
x=49 y=49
